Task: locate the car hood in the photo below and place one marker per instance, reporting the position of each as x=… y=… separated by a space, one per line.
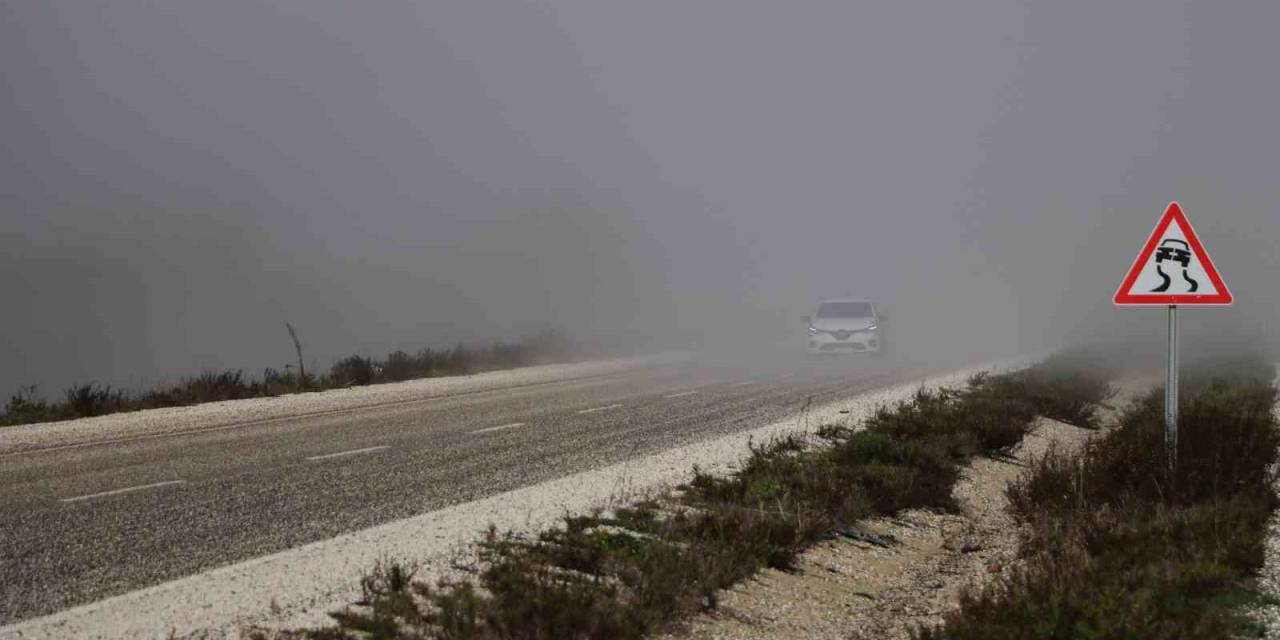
x=843 y=324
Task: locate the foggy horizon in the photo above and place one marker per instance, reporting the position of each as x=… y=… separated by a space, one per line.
x=181 y=180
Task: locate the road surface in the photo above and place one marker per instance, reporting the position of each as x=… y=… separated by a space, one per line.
x=97 y=519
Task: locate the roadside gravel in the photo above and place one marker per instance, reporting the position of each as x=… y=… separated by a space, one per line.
x=848 y=589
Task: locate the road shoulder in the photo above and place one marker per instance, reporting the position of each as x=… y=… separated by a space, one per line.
x=846 y=588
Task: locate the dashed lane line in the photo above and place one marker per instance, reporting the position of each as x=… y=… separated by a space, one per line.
x=596 y=409
x=501 y=427
x=119 y=491
x=343 y=454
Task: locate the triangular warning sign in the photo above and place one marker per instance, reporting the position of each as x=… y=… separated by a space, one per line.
x=1173 y=269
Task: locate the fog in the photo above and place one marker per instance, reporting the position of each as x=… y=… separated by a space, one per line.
x=178 y=180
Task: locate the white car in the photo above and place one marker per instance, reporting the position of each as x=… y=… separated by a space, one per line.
x=846 y=325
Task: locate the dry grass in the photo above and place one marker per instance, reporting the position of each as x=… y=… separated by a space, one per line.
x=1118 y=547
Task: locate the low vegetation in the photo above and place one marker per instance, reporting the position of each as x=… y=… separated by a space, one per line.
x=1118 y=546
x=83 y=401
x=634 y=571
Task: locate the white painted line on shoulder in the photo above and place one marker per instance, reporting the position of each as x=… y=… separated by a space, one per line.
x=499 y=427
x=612 y=406
x=353 y=452
x=682 y=394
x=741 y=384
x=119 y=491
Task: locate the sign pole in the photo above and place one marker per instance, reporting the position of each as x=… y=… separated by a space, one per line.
x=1171 y=392
x=1173 y=269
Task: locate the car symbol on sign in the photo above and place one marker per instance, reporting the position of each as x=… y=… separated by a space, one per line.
x=1173 y=253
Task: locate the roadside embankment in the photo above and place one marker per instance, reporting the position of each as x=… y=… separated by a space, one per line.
x=1119 y=546
x=890 y=574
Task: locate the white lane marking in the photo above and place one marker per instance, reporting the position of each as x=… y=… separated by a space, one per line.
x=124 y=490
x=741 y=384
x=353 y=452
x=612 y=406
x=682 y=394
x=499 y=427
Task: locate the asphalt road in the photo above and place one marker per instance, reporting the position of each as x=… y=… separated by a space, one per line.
x=88 y=522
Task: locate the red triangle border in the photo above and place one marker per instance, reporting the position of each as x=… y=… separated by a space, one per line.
x=1125 y=298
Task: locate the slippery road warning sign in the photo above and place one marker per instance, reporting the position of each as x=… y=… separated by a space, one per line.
x=1173 y=269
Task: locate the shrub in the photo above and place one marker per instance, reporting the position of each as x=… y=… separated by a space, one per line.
x=352 y=370
x=1226 y=439
x=26 y=406
x=88 y=400
x=275 y=383
x=402 y=366
x=210 y=386
x=1118 y=547
x=1069 y=387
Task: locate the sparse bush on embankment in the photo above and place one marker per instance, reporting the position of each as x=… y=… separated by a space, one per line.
x=83 y=401
x=1117 y=547
x=636 y=570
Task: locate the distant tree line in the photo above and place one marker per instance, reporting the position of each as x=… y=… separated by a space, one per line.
x=92 y=399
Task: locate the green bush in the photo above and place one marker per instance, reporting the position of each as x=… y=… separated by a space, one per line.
x=88 y=400
x=402 y=366
x=352 y=370
x=1119 y=547
x=1069 y=386
x=26 y=406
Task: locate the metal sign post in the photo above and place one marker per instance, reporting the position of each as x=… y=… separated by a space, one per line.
x=1171 y=393
x=1172 y=270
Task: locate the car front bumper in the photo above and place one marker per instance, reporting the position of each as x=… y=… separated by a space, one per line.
x=856 y=342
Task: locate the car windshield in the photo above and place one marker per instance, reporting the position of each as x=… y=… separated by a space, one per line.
x=845 y=310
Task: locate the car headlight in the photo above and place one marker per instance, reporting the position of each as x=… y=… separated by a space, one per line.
x=812 y=331
x=872 y=328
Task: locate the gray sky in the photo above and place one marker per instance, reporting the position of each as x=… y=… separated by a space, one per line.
x=179 y=178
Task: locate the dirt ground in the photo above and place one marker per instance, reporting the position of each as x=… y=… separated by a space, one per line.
x=850 y=589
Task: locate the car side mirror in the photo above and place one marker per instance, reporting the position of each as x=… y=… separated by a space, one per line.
x=882 y=316
x=808 y=320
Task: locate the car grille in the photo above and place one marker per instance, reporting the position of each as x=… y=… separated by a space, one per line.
x=852 y=346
